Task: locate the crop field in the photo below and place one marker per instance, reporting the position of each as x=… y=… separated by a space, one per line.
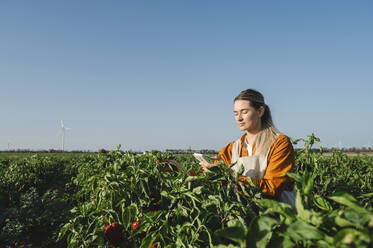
x=123 y=199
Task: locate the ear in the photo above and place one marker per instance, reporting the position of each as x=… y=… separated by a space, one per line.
x=261 y=111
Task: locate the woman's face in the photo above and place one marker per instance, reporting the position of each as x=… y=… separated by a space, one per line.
x=247 y=117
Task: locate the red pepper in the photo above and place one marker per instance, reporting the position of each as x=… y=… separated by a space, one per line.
x=106 y=228
x=135 y=224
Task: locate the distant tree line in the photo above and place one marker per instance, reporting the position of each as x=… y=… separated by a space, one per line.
x=43 y=151
x=185 y=151
x=173 y=151
x=190 y=151
x=333 y=149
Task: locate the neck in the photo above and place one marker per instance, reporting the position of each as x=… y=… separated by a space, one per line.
x=250 y=135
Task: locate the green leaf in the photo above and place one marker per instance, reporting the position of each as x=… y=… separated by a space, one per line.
x=198 y=190
x=321 y=203
x=226 y=246
x=74 y=210
x=295 y=176
x=307 y=215
x=298 y=203
x=342 y=222
x=193 y=178
x=128 y=215
x=323 y=244
x=344 y=198
x=301 y=230
x=63 y=231
x=307 y=184
x=191 y=196
x=148 y=241
x=167 y=195
x=280 y=241
x=358 y=219
x=260 y=231
x=272 y=206
x=348 y=200
x=234 y=233
x=367 y=195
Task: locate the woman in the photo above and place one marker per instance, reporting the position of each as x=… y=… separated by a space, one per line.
x=263 y=151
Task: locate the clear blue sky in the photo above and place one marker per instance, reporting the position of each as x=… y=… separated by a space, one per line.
x=163 y=74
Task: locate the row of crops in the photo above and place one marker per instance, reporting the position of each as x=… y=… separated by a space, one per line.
x=132 y=200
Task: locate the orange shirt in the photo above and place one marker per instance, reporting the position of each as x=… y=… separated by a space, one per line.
x=281 y=159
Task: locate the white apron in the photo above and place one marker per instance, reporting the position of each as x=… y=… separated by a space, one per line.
x=255 y=167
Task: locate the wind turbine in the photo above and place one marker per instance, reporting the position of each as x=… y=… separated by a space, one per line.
x=369 y=144
x=340 y=145
x=63 y=129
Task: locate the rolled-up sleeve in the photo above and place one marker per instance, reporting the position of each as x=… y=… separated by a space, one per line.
x=226 y=154
x=281 y=159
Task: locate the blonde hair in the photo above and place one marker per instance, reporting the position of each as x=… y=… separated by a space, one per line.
x=268 y=133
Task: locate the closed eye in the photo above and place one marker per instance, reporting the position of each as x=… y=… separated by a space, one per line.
x=243 y=111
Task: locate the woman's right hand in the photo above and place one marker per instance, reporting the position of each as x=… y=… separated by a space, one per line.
x=206 y=166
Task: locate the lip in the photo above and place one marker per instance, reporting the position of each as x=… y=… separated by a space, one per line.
x=241 y=124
